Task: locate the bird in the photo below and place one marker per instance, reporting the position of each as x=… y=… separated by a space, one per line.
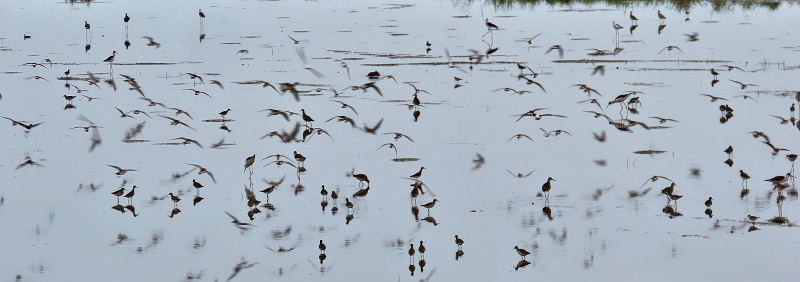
x=398 y=135
x=669 y=48
x=411 y=250
x=661 y=17
x=616 y=26
x=224 y=113
x=110 y=59
x=248 y=162
x=239 y=224
x=87 y=26
x=130 y=194
x=663 y=120
x=459 y=242
x=197 y=185
x=418 y=174
x=692 y=37
x=713 y=98
x=334 y=196
x=430 y=205
x=118 y=193
x=361 y=178
x=306 y=118
x=743 y=85
x=490 y=25
x=421 y=249
x=522 y=252
x=780 y=178
x=126 y=19
x=152 y=42
x=744 y=177
x=729 y=150
x=323 y=192
x=348 y=204
x=633 y=18
x=752 y=218
x=708 y=202
x=69 y=98
x=202 y=15
x=556 y=47
x=519 y=136
x=299 y=158
x=174 y=199
x=546 y=186
x=714 y=73
x=345 y=106
x=675 y=197
x=322 y=247
x=120 y=171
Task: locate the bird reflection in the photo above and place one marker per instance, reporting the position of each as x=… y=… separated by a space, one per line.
x=547 y=211
x=174 y=212
x=523 y=263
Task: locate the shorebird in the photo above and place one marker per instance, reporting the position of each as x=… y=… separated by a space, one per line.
x=391 y=146
x=752 y=218
x=599 y=69
x=130 y=194
x=669 y=48
x=174 y=199
x=411 y=251
x=675 y=197
x=663 y=120
x=152 y=42
x=120 y=171
x=197 y=186
x=490 y=25
x=522 y=252
x=692 y=37
x=519 y=136
x=299 y=158
x=418 y=174
x=323 y=192
x=239 y=224
x=546 y=186
x=110 y=60
x=334 y=196
x=118 y=193
x=743 y=85
x=708 y=202
x=780 y=178
x=661 y=17
x=345 y=106
x=202 y=15
x=554 y=132
x=459 y=242
x=430 y=205
x=398 y=135
x=616 y=26
x=633 y=18
x=306 y=118
x=348 y=204
x=421 y=249
x=728 y=150
x=713 y=98
x=322 y=247
x=744 y=177
x=556 y=47
x=248 y=163
x=88 y=27
x=361 y=178
x=126 y=19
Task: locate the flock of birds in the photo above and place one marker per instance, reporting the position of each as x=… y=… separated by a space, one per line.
x=306 y=127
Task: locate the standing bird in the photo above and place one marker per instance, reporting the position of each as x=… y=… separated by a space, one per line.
x=521 y=252
x=634 y=20
x=301 y=160
x=418 y=174
x=334 y=196
x=126 y=19
x=752 y=218
x=430 y=205
x=323 y=192
x=202 y=15
x=306 y=118
x=490 y=25
x=130 y=194
x=118 y=193
x=708 y=202
x=174 y=199
x=88 y=27
x=348 y=204
x=248 y=163
x=744 y=177
x=714 y=73
x=661 y=17
x=411 y=251
x=361 y=178
x=110 y=60
x=322 y=247
x=459 y=242
x=421 y=250
x=224 y=113
x=546 y=187
x=197 y=186
x=729 y=150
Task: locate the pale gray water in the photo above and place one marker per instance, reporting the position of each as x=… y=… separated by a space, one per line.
x=54 y=228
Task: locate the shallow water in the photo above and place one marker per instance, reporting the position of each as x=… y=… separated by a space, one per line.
x=57 y=217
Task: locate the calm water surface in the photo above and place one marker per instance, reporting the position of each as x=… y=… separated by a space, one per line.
x=57 y=216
